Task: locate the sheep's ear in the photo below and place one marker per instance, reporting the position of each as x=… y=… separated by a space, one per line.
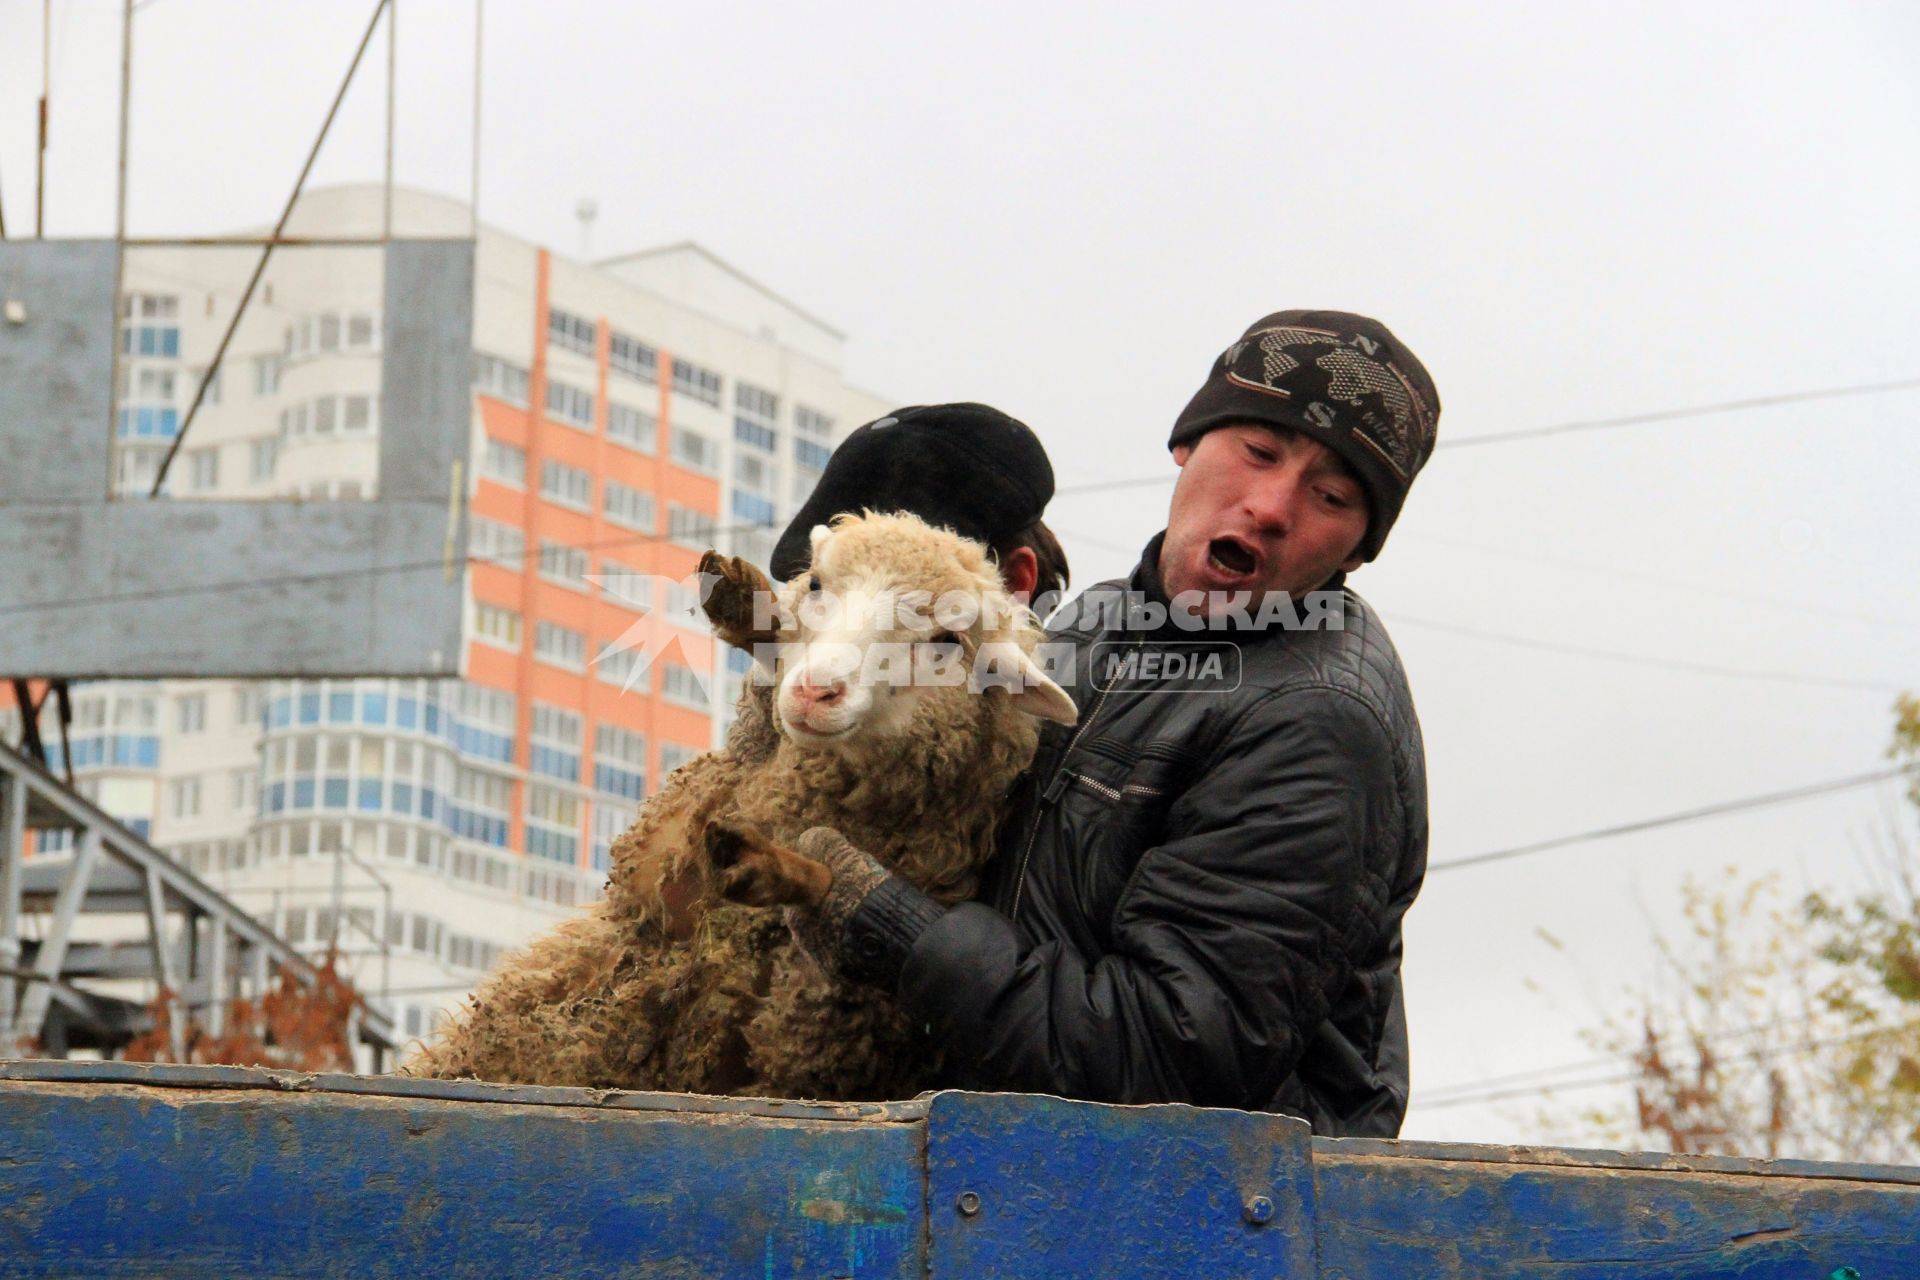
x=1009 y=667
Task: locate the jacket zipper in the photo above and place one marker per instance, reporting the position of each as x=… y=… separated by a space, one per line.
x=1115 y=793
x=1054 y=787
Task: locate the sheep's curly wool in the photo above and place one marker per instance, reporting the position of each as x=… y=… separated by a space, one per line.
x=663 y=985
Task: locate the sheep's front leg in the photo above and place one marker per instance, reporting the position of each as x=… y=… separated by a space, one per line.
x=761 y=873
x=739 y=593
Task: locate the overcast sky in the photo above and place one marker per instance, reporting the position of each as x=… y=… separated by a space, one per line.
x=1569 y=212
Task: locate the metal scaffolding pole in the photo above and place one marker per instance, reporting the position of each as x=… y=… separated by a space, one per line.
x=13 y=835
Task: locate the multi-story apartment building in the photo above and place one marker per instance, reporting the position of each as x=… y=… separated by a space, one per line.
x=627 y=415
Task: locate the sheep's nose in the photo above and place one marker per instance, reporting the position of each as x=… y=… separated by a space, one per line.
x=819 y=695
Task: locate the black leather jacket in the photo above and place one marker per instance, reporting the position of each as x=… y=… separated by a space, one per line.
x=1199 y=897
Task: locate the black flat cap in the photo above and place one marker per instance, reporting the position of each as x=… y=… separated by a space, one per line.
x=968 y=467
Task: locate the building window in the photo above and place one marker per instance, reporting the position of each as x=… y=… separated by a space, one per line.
x=246 y=707
x=496 y=626
x=266 y=375
x=553 y=824
x=804 y=479
x=692 y=529
x=555 y=743
x=812 y=422
x=690 y=379
x=568 y=486
x=481 y=807
x=619 y=666
x=626 y=586
x=360 y=331
x=633 y=358
x=262 y=457
x=212 y=395
x=673 y=755
x=495 y=542
x=751 y=471
x=619 y=761
x=155 y=384
x=684 y=685
x=809 y=454
x=695 y=451
x=147 y=331
x=483 y=722
x=193 y=713
x=754 y=435
x=609 y=821
x=147 y=422
x=683 y=608
x=505 y=463
x=754 y=402
x=203 y=469
x=185 y=795
x=632 y=427
x=753 y=509
x=563 y=564
x=501 y=379
x=246 y=791
x=356 y=413
x=569 y=404
x=562 y=646
x=629 y=507
x=569 y=331
x=325 y=411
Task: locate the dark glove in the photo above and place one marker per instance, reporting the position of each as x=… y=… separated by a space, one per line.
x=866 y=926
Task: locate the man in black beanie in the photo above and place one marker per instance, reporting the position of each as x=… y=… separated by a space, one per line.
x=1198 y=897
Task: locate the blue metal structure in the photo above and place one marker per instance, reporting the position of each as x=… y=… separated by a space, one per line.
x=110 y=1168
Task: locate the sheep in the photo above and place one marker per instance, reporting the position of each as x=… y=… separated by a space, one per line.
x=665 y=984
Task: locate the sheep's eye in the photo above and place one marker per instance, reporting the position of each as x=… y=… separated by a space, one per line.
x=813 y=583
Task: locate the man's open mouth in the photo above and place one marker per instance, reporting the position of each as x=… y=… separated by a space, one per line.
x=1232 y=557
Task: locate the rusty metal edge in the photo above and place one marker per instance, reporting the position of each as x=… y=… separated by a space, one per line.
x=1574 y=1158
x=172 y=1076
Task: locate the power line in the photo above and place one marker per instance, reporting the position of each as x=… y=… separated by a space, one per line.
x=1801 y=607
x=266 y=252
x=1693 y=411
x=1645 y=660
x=1627 y=1077
x=333 y=575
x=1587 y=651
x=1689 y=815
x=1590 y=424
x=1537 y=1075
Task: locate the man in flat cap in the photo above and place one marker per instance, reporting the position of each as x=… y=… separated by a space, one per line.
x=967 y=467
x=1199 y=895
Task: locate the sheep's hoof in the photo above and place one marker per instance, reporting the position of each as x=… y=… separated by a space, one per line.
x=725 y=844
x=730 y=601
x=759 y=873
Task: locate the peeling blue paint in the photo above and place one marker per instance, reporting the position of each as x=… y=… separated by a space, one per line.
x=109 y=1168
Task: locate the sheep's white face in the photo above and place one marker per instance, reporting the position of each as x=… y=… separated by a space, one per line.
x=898 y=624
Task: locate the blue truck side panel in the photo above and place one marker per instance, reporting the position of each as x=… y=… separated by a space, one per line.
x=1496 y=1213
x=115 y=1179
x=117 y=1169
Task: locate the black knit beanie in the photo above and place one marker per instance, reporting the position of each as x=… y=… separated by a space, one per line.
x=1339 y=378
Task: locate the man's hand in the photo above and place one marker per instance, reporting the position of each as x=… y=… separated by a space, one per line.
x=729 y=603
